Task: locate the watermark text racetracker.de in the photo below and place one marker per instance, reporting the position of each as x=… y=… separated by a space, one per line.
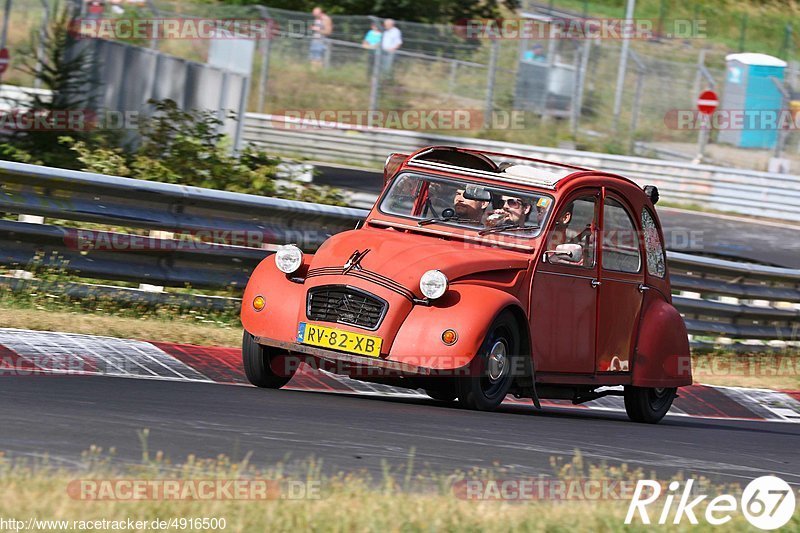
x=580 y=28
x=403 y=119
x=172 y=28
x=66 y=120
x=733 y=119
x=248 y=489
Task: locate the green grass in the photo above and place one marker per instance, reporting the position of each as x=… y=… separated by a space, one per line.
x=765 y=21
x=408 y=499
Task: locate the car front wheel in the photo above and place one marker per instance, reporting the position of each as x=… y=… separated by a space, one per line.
x=648 y=405
x=491 y=371
x=262 y=366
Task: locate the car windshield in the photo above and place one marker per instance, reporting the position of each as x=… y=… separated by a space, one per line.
x=484 y=208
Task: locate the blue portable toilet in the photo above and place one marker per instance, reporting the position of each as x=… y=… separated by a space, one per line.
x=749 y=87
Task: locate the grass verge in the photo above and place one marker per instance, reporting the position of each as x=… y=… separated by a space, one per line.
x=399 y=500
x=177 y=330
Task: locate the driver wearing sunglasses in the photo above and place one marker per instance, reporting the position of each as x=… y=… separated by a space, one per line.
x=509 y=210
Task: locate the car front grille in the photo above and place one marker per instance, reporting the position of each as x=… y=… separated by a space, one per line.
x=345 y=305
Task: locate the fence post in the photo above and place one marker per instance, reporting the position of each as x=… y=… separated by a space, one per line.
x=489 y=107
x=6 y=17
x=581 y=85
x=223 y=98
x=243 y=97
x=636 y=106
x=786 y=47
x=37 y=81
x=742 y=32
x=375 y=82
x=326 y=62
x=701 y=63
x=263 y=74
x=266 y=47
x=623 y=63
x=452 y=80
x=785 y=97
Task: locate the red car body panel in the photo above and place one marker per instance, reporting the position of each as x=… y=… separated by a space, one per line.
x=583 y=325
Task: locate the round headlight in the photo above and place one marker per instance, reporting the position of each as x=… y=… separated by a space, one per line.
x=288 y=258
x=433 y=284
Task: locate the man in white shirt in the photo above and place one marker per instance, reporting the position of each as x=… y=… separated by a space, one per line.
x=391 y=41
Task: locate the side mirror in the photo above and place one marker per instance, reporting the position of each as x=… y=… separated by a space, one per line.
x=571 y=253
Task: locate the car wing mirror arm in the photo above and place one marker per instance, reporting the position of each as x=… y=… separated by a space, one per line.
x=571 y=253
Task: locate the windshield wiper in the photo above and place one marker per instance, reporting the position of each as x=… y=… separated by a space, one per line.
x=434 y=219
x=506 y=227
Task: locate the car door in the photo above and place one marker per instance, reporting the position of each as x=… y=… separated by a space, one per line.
x=621 y=280
x=564 y=295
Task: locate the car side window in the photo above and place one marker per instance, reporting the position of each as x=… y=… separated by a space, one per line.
x=575 y=224
x=656 y=264
x=620 y=242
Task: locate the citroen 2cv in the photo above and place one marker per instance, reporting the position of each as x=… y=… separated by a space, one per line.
x=477 y=275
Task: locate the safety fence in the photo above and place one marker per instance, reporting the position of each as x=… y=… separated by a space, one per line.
x=230 y=233
x=726 y=189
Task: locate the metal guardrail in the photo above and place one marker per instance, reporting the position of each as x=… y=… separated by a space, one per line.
x=719 y=298
x=739 y=191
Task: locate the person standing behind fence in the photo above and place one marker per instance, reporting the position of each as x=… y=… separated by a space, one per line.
x=372 y=40
x=391 y=41
x=321 y=29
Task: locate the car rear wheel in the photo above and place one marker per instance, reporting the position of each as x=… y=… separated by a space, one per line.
x=491 y=370
x=262 y=366
x=648 y=405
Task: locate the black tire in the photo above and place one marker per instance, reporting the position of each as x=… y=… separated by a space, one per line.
x=491 y=371
x=258 y=367
x=648 y=405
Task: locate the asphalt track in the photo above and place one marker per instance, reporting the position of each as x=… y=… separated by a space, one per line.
x=731 y=237
x=63 y=416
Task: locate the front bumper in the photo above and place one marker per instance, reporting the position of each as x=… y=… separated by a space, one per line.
x=346 y=358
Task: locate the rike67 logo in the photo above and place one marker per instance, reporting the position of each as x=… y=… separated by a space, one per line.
x=767 y=502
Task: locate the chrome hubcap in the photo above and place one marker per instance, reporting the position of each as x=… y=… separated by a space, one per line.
x=498 y=361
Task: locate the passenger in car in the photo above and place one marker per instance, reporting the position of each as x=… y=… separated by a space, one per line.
x=468 y=209
x=510 y=210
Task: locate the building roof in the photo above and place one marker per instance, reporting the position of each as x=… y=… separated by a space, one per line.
x=763 y=60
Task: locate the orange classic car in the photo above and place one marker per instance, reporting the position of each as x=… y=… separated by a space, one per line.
x=477 y=275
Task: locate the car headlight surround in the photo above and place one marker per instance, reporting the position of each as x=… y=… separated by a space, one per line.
x=288 y=258
x=433 y=284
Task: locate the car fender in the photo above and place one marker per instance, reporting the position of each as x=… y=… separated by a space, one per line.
x=662 y=357
x=278 y=319
x=467 y=309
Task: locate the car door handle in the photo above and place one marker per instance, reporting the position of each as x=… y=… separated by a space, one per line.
x=643 y=287
x=595 y=283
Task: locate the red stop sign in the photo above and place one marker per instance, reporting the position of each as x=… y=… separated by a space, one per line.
x=4 y=60
x=707 y=102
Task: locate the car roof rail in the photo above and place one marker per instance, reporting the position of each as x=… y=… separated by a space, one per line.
x=550 y=172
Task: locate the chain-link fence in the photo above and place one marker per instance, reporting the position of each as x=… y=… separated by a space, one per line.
x=564 y=87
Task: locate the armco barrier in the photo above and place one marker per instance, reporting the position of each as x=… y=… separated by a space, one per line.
x=718 y=298
x=738 y=191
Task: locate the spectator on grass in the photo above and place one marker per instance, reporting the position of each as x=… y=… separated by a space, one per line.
x=321 y=29
x=391 y=42
x=372 y=41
